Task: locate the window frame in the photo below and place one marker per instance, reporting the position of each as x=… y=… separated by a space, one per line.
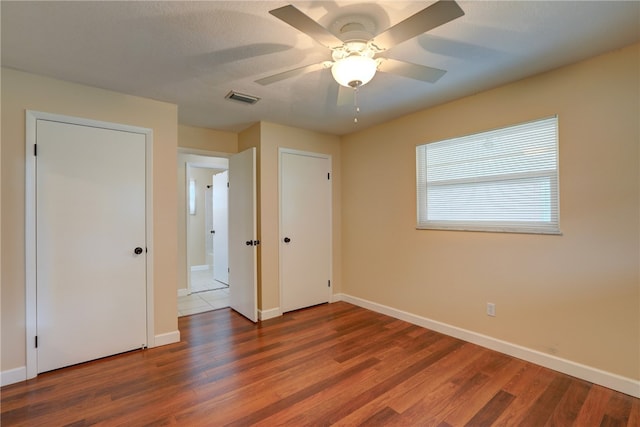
x=551 y=177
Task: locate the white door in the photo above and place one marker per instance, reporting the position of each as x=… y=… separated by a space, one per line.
x=243 y=241
x=91 y=243
x=305 y=229
x=221 y=227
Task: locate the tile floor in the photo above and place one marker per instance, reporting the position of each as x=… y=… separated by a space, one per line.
x=203 y=301
x=202 y=280
x=206 y=294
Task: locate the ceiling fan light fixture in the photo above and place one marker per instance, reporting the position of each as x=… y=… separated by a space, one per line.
x=354 y=70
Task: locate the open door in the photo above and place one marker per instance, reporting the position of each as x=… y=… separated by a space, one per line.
x=243 y=241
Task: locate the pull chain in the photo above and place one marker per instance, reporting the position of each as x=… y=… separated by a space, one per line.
x=355 y=104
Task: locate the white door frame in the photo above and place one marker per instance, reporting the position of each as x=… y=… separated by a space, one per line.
x=282 y=151
x=30 y=223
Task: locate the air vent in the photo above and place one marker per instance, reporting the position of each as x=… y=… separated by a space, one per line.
x=241 y=97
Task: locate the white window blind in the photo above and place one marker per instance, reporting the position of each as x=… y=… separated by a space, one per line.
x=500 y=180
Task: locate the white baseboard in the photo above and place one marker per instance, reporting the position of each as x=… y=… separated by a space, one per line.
x=269 y=314
x=13 y=376
x=16 y=375
x=597 y=376
x=167 y=338
x=183 y=292
x=199 y=267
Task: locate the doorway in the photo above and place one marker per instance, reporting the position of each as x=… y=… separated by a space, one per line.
x=203 y=209
x=241 y=218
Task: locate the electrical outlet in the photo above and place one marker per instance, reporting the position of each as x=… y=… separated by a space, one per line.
x=491 y=309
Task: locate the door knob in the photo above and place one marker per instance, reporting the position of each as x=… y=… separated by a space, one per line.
x=138 y=250
x=287 y=240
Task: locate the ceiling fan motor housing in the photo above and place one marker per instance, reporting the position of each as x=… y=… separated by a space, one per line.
x=354 y=65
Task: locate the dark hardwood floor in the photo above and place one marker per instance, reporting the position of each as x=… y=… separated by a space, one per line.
x=330 y=364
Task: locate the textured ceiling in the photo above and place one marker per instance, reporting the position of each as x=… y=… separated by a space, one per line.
x=193 y=53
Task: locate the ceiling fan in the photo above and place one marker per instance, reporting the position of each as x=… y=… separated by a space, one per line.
x=354 y=53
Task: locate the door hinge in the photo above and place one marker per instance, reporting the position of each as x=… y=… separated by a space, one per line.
x=227 y=185
x=36 y=341
x=35 y=149
x=329 y=175
x=329 y=283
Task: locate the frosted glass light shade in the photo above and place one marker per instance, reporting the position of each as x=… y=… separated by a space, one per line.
x=354 y=71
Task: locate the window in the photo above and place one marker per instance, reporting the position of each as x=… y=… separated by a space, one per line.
x=501 y=180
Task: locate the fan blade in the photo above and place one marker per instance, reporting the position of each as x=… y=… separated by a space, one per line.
x=298 y=20
x=427 y=19
x=412 y=71
x=291 y=73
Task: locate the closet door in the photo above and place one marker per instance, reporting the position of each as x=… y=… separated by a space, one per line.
x=305 y=229
x=91 y=243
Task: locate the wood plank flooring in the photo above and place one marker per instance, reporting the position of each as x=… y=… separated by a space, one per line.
x=334 y=364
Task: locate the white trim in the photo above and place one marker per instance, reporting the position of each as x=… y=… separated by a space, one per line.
x=205 y=153
x=30 y=246
x=328 y=157
x=149 y=223
x=31 y=118
x=199 y=267
x=12 y=376
x=269 y=314
x=166 y=338
x=187 y=224
x=607 y=379
x=304 y=153
x=337 y=297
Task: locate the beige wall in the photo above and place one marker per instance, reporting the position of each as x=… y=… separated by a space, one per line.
x=209 y=140
x=575 y=296
x=21 y=91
